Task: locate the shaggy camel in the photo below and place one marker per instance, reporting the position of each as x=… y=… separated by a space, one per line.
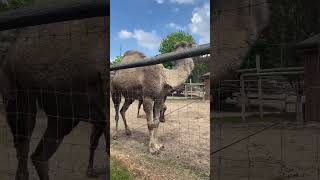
x=151 y=84
x=61 y=73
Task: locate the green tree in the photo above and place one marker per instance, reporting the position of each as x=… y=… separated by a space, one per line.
x=168 y=43
x=292 y=21
x=116 y=60
x=14 y=4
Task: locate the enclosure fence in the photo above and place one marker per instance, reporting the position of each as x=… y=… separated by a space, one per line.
x=258 y=128
x=46 y=109
x=184 y=130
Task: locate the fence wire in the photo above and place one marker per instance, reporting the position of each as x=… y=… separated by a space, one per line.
x=185 y=131
x=57 y=105
x=276 y=146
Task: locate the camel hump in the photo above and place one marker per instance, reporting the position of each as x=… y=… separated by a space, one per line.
x=132 y=56
x=133 y=52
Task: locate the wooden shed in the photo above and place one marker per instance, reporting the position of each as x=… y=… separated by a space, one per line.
x=206 y=80
x=311 y=54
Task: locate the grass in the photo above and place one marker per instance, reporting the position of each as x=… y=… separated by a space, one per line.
x=119 y=171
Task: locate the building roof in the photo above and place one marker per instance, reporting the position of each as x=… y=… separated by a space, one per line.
x=312 y=42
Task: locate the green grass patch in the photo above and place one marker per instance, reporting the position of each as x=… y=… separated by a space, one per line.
x=119 y=171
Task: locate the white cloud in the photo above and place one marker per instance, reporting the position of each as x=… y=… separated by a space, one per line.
x=175 y=26
x=124 y=34
x=183 y=1
x=200 y=23
x=160 y=1
x=149 y=40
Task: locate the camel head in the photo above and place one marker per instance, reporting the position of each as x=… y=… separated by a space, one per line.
x=182 y=45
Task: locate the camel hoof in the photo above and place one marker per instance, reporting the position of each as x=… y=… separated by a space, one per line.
x=115 y=137
x=91 y=173
x=128 y=132
x=156 y=148
x=162 y=120
x=154 y=151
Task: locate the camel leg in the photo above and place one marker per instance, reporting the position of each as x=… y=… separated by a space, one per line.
x=98 y=128
x=21 y=115
x=163 y=110
x=152 y=125
x=50 y=142
x=126 y=105
x=158 y=107
x=96 y=133
x=116 y=98
x=139 y=106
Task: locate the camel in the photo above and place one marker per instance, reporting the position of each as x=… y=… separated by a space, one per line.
x=62 y=74
x=151 y=84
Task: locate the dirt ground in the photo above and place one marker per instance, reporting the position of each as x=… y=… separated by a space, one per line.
x=185 y=135
x=283 y=152
x=69 y=162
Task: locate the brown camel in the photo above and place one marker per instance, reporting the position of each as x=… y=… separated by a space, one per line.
x=151 y=84
x=58 y=66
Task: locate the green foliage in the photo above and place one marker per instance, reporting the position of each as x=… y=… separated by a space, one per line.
x=168 y=43
x=291 y=22
x=200 y=68
x=118 y=170
x=14 y=4
x=116 y=60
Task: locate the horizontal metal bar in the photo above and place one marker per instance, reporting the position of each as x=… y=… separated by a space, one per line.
x=272 y=73
x=173 y=56
x=50 y=13
x=269 y=70
x=283 y=69
x=246 y=70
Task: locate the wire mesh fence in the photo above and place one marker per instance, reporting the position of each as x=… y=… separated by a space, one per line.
x=52 y=86
x=276 y=146
x=160 y=119
x=247 y=143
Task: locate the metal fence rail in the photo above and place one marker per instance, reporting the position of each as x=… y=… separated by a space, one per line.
x=173 y=56
x=62 y=11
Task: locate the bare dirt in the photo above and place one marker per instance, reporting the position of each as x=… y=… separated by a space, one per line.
x=283 y=152
x=185 y=135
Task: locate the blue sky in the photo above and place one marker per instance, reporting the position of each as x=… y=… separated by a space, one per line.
x=142 y=24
